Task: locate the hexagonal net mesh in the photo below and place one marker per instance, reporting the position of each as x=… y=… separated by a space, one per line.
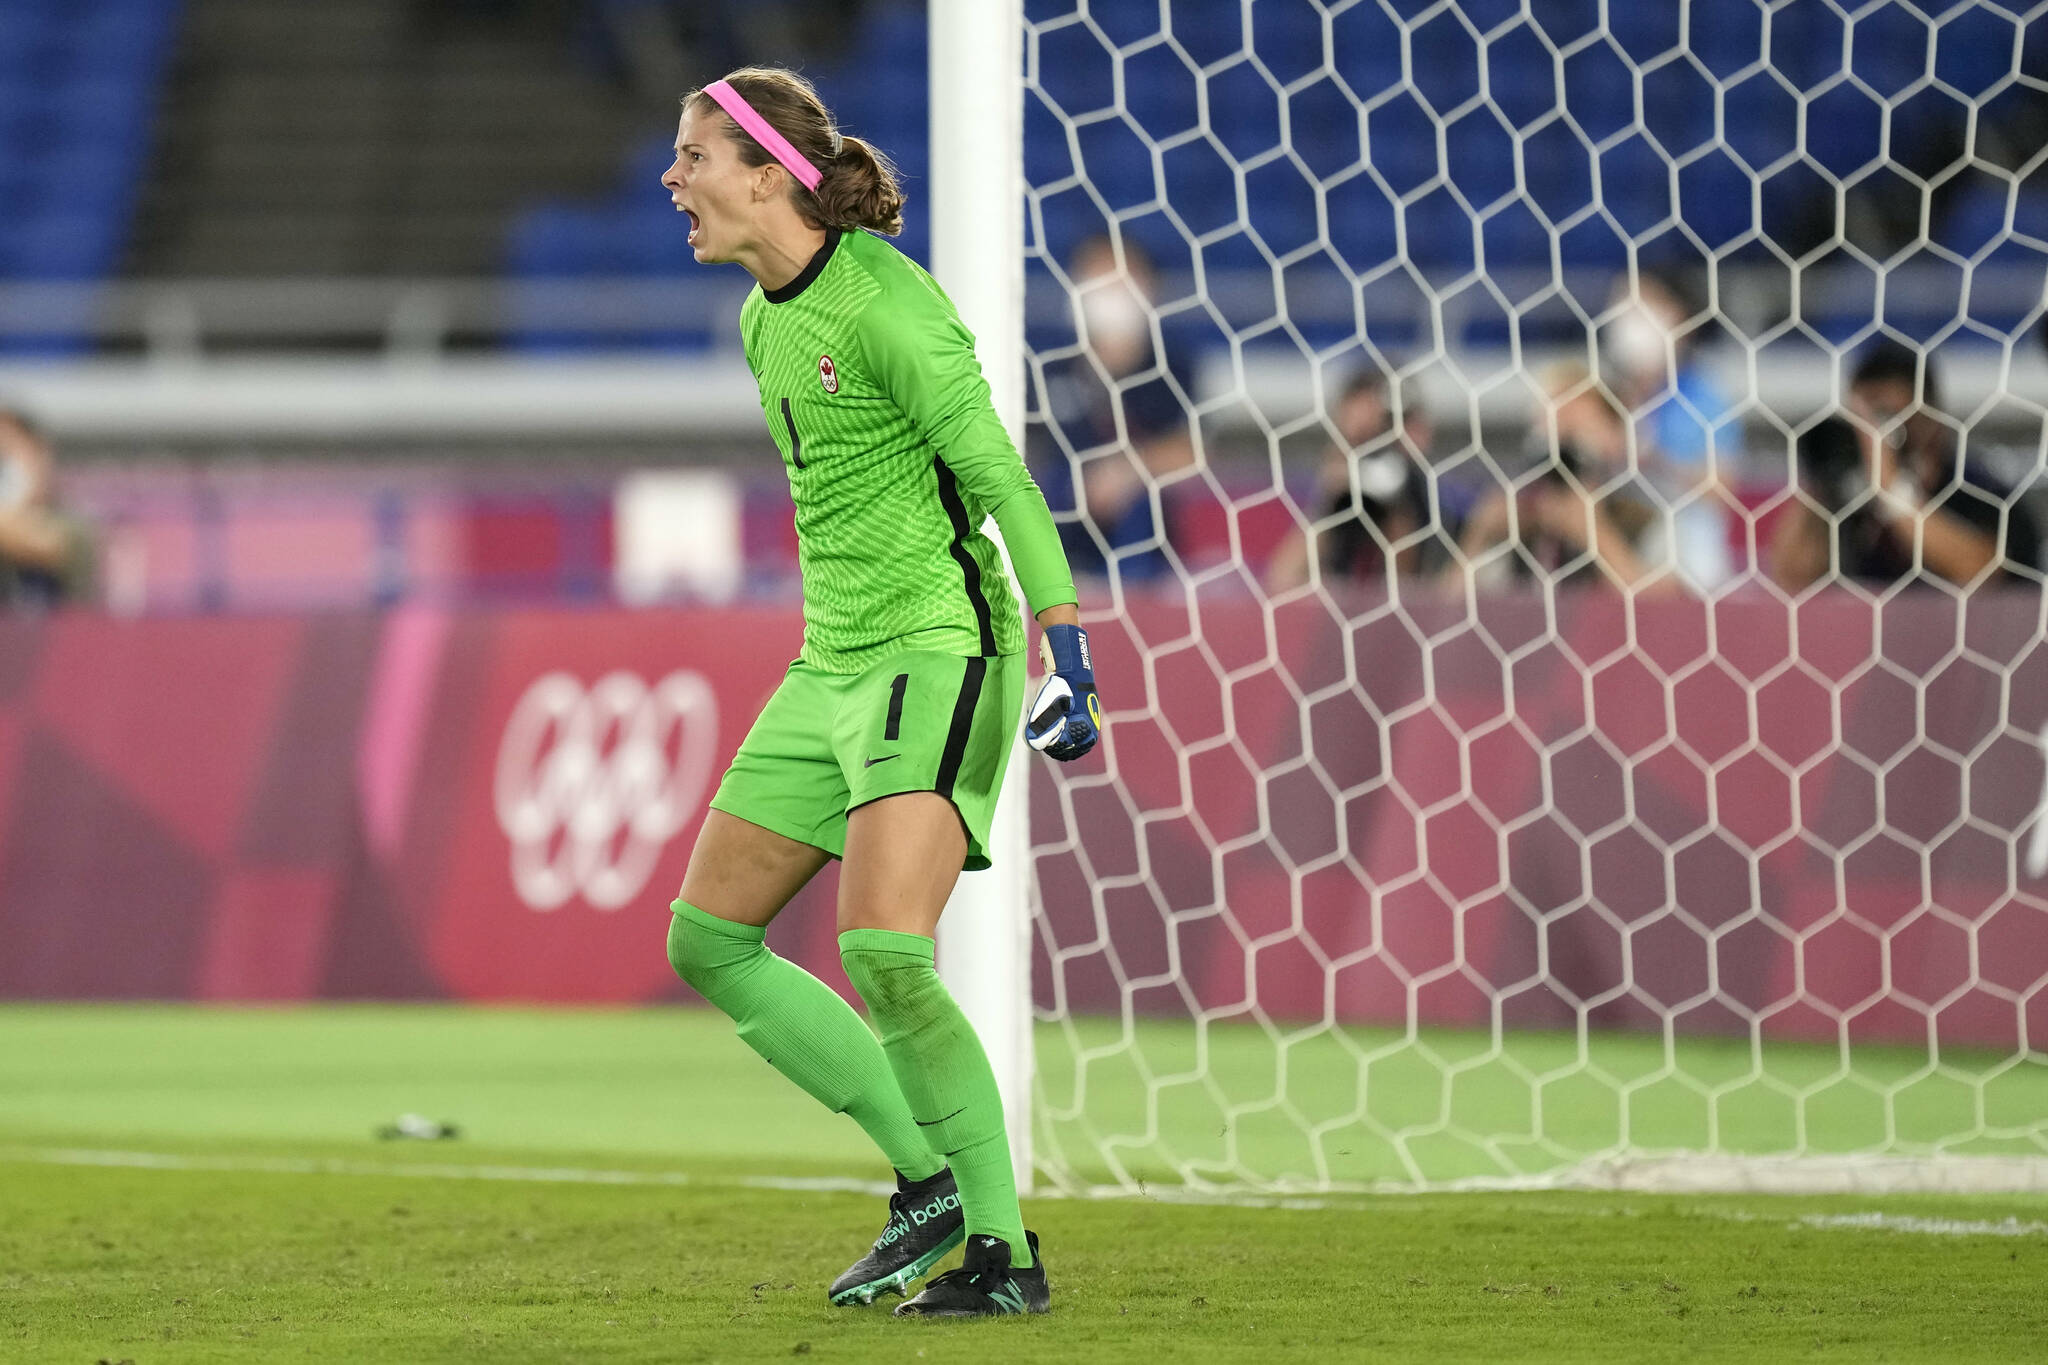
x=1556 y=491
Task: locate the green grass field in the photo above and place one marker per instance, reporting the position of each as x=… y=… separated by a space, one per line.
x=194 y=1185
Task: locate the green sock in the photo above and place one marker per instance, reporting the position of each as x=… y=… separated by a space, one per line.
x=943 y=1072
x=801 y=1027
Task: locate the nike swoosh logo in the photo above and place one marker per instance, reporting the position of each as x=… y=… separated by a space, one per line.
x=883 y=759
x=933 y=1123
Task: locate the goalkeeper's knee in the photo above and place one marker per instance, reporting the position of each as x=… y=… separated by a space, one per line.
x=896 y=977
x=713 y=955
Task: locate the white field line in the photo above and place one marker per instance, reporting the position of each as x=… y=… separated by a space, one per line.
x=586 y=1175
x=1939 y=1227
x=428 y=1170
x=1700 y=1173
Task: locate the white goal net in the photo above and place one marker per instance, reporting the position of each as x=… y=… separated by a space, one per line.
x=1555 y=484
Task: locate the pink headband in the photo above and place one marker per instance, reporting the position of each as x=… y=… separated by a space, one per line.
x=763 y=132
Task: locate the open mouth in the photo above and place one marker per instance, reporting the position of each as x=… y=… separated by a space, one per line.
x=694 y=221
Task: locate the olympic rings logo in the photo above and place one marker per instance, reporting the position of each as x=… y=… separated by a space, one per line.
x=592 y=784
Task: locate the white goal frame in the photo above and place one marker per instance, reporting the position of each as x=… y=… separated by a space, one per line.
x=977 y=199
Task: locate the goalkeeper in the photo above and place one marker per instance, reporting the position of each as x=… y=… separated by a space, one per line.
x=885 y=743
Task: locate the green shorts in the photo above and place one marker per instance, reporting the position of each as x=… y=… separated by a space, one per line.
x=915 y=722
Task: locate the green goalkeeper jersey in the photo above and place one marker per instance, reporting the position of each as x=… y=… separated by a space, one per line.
x=871 y=389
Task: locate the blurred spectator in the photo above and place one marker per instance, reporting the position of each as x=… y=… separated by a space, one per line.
x=1898 y=499
x=1372 y=493
x=1114 y=417
x=1586 y=518
x=1683 y=430
x=45 y=556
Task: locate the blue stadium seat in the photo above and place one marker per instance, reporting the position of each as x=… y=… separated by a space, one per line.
x=1973 y=50
x=1644 y=32
x=554 y=239
x=1283 y=207
x=652 y=240
x=1118 y=163
x=1403 y=143
x=1714 y=199
x=1889 y=48
x=1807 y=41
x=1325 y=127
x=65 y=246
x=1440 y=233
x=86 y=176
x=1047 y=157
x=1160 y=93
x=1514 y=236
x=1593 y=242
x=1635 y=185
x=1067 y=220
x=110 y=106
x=897 y=30
x=1210 y=30
x=1480 y=159
x=17 y=178
x=20 y=109
x=1201 y=187
x=1075 y=68
x=1844 y=130
x=1762 y=121
x=1599 y=92
x=645 y=164
x=1244 y=111
x=635 y=232
x=1975 y=223
x=1287 y=37
x=22 y=56
x=77 y=84
x=1725 y=38
x=1521 y=77
x=1362 y=224
x=1127 y=25
x=1366 y=50
x=1446 y=71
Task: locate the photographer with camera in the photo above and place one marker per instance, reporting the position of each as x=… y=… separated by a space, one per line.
x=1586 y=519
x=1372 y=493
x=1899 y=499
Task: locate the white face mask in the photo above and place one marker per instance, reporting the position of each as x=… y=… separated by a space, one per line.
x=1112 y=312
x=1381 y=476
x=1637 y=343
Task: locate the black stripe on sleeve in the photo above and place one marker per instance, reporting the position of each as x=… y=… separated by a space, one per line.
x=962 y=726
x=956 y=511
x=796 y=442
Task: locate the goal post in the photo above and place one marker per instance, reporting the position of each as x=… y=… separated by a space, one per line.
x=976 y=198
x=1492 y=795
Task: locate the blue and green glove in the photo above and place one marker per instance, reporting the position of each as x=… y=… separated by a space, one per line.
x=1065 y=721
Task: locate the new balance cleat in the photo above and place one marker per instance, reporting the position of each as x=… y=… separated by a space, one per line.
x=925 y=1224
x=985 y=1286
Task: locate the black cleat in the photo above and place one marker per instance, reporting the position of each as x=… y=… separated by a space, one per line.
x=984 y=1286
x=925 y=1224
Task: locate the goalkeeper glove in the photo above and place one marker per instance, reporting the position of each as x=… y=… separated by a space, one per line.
x=1066 y=719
